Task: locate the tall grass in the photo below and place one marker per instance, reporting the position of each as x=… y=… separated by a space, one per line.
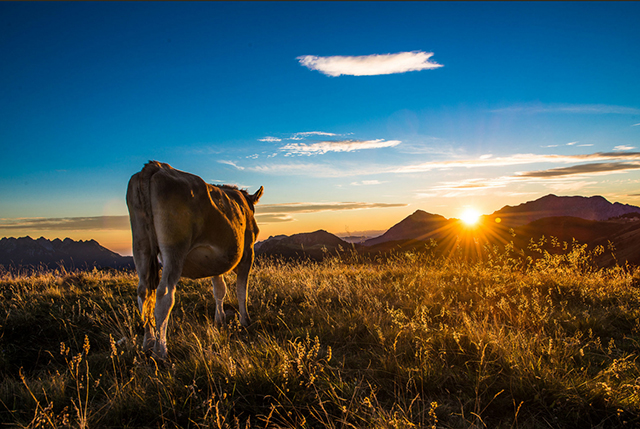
x=408 y=340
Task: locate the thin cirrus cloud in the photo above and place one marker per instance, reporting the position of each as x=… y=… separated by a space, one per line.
x=67 y=223
x=320 y=148
x=269 y=213
x=595 y=168
x=367 y=183
x=270 y=139
x=517 y=159
x=296 y=136
x=569 y=108
x=370 y=65
x=231 y=163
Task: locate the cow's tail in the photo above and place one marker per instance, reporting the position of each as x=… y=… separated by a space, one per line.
x=143 y=194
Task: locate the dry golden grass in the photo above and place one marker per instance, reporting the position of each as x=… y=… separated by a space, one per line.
x=409 y=340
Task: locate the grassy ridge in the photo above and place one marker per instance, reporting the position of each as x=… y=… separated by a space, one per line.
x=407 y=341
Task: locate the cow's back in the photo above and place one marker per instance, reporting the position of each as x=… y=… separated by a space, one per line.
x=196 y=221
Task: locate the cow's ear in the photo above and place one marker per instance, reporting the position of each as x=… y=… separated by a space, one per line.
x=255 y=197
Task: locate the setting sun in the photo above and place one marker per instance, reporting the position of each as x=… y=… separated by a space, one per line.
x=470 y=216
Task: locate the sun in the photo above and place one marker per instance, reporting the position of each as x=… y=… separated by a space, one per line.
x=470 y=217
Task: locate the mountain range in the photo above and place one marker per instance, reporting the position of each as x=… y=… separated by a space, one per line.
x=590 y=208
x=27 y=252
x=589 y=220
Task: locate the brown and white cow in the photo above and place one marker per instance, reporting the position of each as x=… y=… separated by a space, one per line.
x=196 y=230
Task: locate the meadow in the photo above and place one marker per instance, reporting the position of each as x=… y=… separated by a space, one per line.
x=401 y=340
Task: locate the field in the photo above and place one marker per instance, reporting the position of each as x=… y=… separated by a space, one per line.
x=401 y=341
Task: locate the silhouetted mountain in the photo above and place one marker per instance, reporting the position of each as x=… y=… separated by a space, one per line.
x=25 y=252
x=314 y=245
x=420 y=226
x=621 y=226
x=590 y=208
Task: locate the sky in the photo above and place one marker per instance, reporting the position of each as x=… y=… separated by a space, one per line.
x=352 y=115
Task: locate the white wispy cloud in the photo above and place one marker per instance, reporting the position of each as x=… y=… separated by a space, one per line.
x=569 y=108
x=302 y=169
x=270 y=139
x=269 y=213
x=296 y=136
x=66 y=223
x=303 y=135
x=367 y=183
x=517 y=159
x=231 y=163
x=323 y=147
x=370 y=65
x=584 y=169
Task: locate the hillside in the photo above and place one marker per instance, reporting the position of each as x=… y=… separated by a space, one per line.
x=412 y=340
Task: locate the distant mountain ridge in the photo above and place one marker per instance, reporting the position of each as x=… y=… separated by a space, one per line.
x=590 y=208
x=590 y=220
x=309 y=244
x=25 y=252
x=418 y=226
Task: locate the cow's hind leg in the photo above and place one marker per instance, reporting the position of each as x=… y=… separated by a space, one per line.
x=147 y=267
x=219 y=292
x=165 y=298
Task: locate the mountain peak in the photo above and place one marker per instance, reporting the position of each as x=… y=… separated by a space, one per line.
x=418 y=226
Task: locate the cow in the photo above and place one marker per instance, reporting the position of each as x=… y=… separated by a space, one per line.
x=194 y=230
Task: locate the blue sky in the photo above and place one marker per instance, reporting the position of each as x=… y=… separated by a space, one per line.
x=351 y=115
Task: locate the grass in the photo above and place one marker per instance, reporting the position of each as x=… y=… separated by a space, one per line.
x=401 y=341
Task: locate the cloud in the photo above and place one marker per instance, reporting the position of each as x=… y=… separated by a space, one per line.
x=296 y=136
x=321 y=207
x=569 y=108
x=271 y=213
x=517 y=159
x=231 y=163
x=601 y=167
x=323 y=147
x=300 y=136
x=367 y=183
x=273 y=218
x=369 y=65
x=66 y=223
x=303 y=169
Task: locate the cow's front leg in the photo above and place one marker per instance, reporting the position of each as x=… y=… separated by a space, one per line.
x=219 y=292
